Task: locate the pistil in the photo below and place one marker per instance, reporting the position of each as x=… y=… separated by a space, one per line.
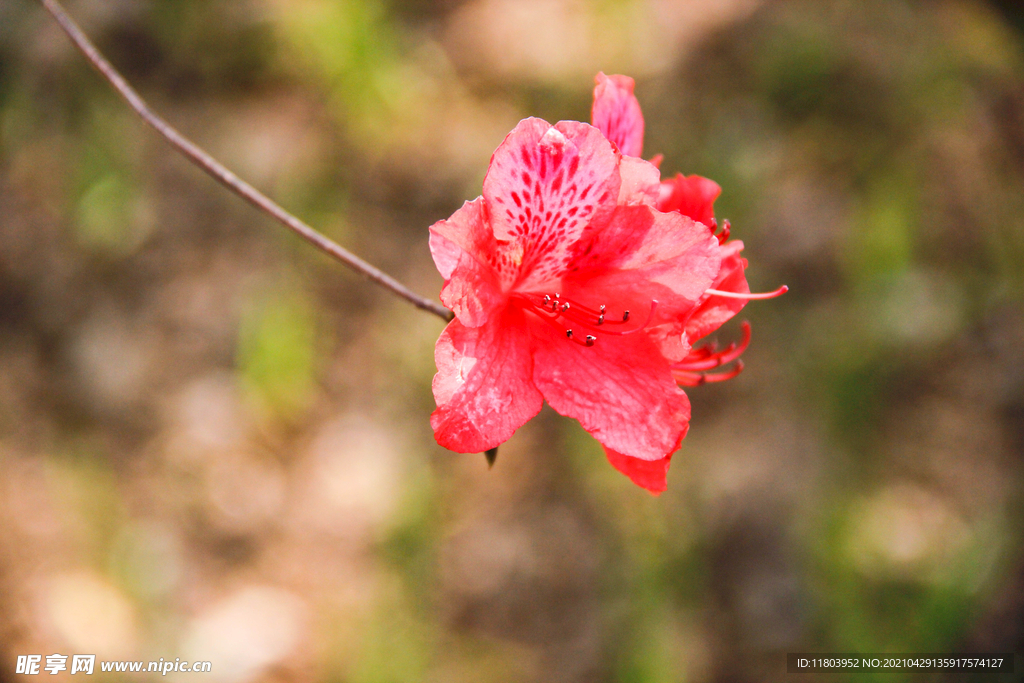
x=748 y=295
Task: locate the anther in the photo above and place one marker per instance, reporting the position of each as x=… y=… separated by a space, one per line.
x=568 y=333
x=591 y=339
x=547 y=299
x=625 y=316
x=602 y=308
x=565 y=307
x=600 y=319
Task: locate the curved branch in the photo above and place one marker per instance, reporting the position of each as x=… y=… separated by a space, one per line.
x=220 y=173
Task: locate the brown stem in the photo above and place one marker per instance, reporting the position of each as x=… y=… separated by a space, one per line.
x=213 y=167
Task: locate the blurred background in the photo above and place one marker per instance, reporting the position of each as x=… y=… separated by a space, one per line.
x=214 y=441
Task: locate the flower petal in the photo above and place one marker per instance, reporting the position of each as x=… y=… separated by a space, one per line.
x=641 y=256
x=641 y=182
x=616 y=113
x=544 y=186
x=474 y=265
x=648 y=474
x=691 y=196
x=713 y=311
x=483 y=385
x=620 y=389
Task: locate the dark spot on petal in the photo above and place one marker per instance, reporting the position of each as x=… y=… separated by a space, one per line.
x=556 y=184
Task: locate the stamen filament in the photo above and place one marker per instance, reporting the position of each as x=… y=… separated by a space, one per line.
x=580 y=317
x=705 y=358
x=695 y=379
x=552 y=319
x=561 y=314
x=723 y=236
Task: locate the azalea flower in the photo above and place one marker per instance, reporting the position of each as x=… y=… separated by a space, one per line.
x=569 y=285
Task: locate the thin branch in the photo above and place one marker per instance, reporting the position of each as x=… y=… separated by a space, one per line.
x=213 y=167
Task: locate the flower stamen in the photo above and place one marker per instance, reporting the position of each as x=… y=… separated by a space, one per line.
x=696 y=379
x=691 y=371
x=723 y=236
x=589 y=340
x=554 y=309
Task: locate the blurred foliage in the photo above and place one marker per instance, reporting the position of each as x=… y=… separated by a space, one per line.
x=277 y=352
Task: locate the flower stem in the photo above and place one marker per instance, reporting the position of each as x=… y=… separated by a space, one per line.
x=201 y=158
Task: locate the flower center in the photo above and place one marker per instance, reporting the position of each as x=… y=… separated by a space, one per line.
x=578 y=320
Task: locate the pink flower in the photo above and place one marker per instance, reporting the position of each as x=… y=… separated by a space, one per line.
x=569 y=285
x=616 y=112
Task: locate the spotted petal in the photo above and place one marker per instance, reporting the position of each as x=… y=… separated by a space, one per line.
x=545 y=185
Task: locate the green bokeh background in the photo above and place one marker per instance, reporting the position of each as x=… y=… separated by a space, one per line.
x=214 y=442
